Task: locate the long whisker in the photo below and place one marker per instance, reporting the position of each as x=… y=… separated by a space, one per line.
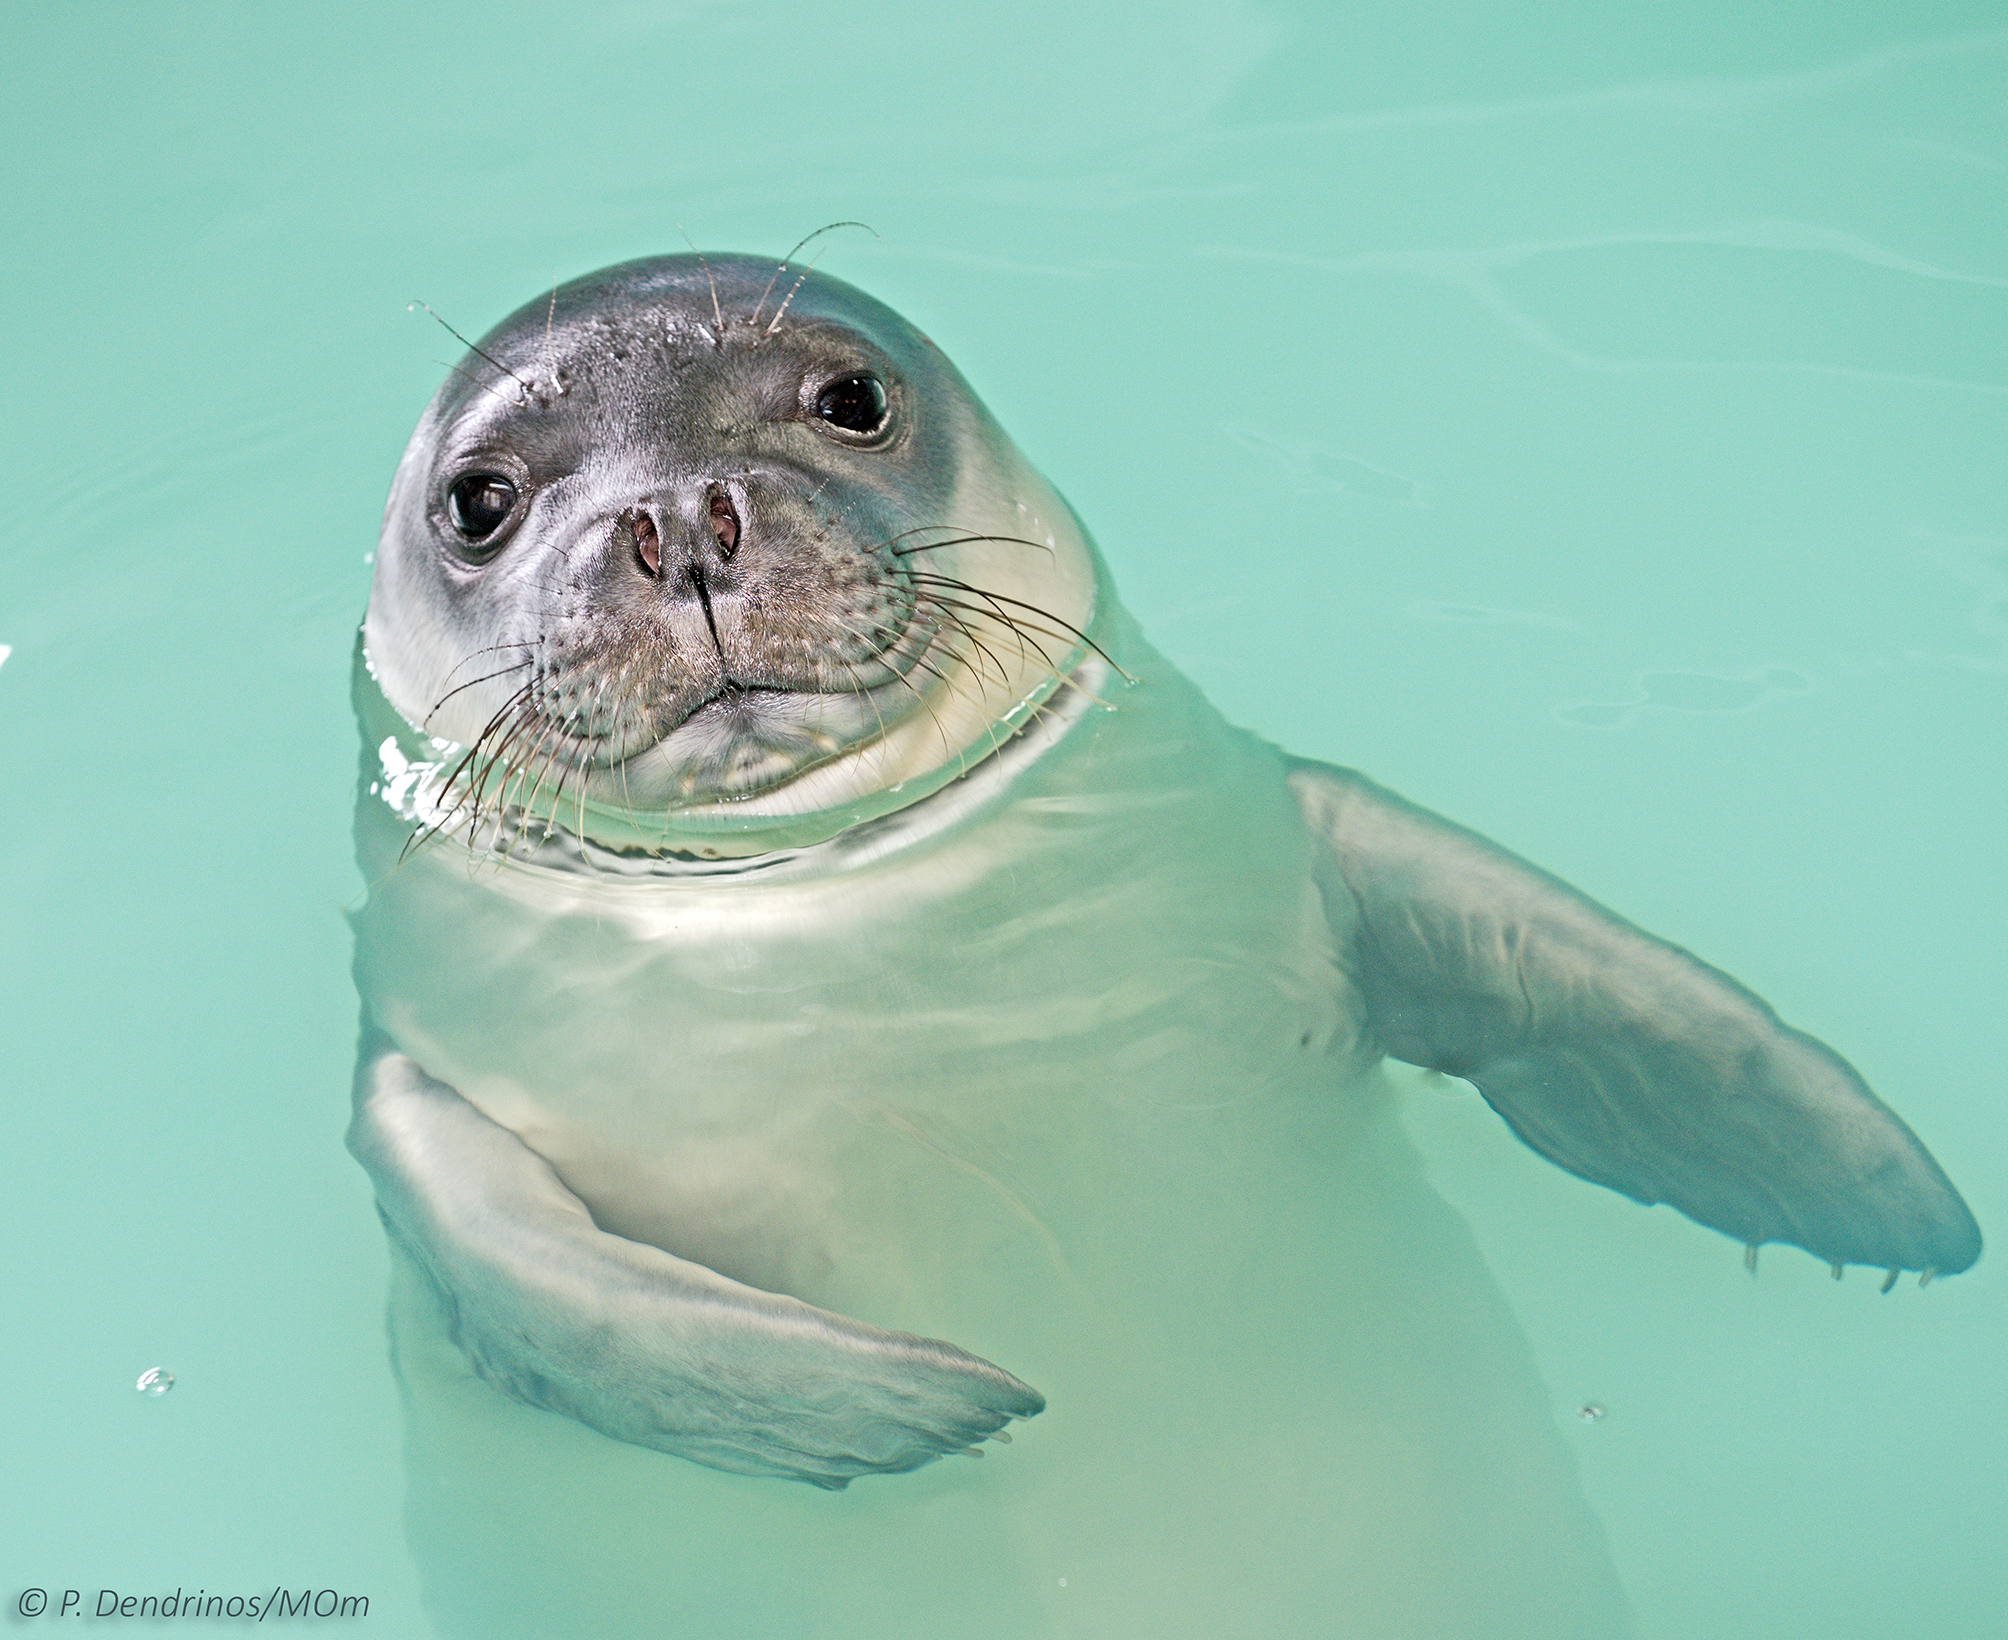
x=919 y=529
x=592 y=736
x=827 y=227
x=550 y=323
x=927 y=706
x=471 y=348
x=506 y=713
x=916 y=656
x=780 y=312
x=868 y=696
x=775 y=323
x=1018 y=630
x=716 y=312
x=627 y=797
x=916 y=661
x=542 y=751
x=1019 y=603
x=447 y=805
x=826 y=619
x=503 y=758
x=990 y=722
x=514 y=404
x=1017 y=627
x=489 y=649
x=472 y=683
x=549 y=743
x=948 y=609
x=572 y=765
x=964 y=541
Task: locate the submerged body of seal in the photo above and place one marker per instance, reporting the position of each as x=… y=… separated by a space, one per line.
x=841 y=945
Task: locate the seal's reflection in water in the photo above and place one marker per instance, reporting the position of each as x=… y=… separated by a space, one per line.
x=979 y=991
x=1071 y=1083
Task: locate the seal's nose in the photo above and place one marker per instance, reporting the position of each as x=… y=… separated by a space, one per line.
x=647 y=542
x=724 y=520
x=707 y=520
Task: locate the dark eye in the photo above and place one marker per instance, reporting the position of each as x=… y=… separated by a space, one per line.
x=479 y=503
x=856 y=404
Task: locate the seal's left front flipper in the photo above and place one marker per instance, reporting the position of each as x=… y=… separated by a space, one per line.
x=1614 y=1054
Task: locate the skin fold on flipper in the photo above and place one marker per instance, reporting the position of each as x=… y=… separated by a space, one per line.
x=1614 y=1054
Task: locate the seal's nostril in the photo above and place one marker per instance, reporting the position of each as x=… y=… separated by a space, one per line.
x=648 y=543
x=724 y=522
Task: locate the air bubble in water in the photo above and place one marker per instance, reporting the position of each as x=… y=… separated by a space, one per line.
x=155 y=1381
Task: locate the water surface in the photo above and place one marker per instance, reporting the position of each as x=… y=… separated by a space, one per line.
x=1590 y=426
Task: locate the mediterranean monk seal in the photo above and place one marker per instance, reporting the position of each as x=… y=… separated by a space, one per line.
x=821 y=964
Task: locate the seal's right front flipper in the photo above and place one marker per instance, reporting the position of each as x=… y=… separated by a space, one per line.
x=1614 y=1054
x=639 y=1344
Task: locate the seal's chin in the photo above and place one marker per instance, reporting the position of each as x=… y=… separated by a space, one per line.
x=743 y=742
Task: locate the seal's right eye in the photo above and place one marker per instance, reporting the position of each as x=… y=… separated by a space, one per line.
x=479 y=502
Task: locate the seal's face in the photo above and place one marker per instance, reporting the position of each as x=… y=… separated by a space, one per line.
x=664 y=545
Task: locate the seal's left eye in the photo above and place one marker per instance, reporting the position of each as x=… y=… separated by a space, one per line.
x=855 y=403
x=479 y=503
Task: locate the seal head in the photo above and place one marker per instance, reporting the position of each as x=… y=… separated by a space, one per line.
x=696 y=541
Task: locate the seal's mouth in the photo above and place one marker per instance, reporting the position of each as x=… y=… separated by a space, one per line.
x=746 y=740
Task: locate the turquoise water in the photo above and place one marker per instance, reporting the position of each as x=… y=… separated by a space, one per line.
x=1590 y=427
